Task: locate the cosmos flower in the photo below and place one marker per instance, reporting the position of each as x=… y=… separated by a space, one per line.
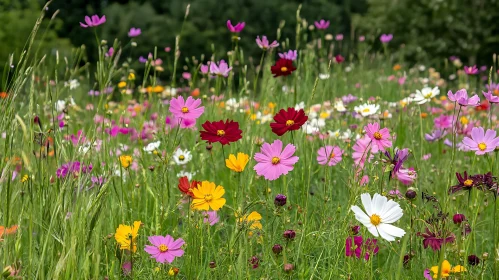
x=366 y=109
x=435 y=240
x=207 y=196
x=288 y=120
x=291 y=55
x=493 y=88
x=447 y=269
x=134 y=32
x=188 y=109
x=425 y=95
x=321 y=24
x=282 y=67
x=126 y=236
x=461 y=97
x=435 y=135
x=385 y=38
x=164 y=248
x=381 y=213
x=264 y=43
x=221 y=69
x=443 y=122
x=181 y=157
x=151 y=147
x=491 y=97
x=471 y=70
x=185 y=187
x=93 y=21
x=359 y=246
x=220 y=131
x=363 y=149
x=380 y=137
x=125 y=161
x=481 y=142
x=273 y=161
x=210 y=217
x=237 y=164
x=330 y=155
x=252 y=220
x=237 y=28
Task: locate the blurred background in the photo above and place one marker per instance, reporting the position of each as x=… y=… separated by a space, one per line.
x=425 y=31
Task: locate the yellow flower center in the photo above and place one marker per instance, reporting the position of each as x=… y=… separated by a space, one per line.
x=468 y=182
x=377 y=135
x=208 y=197
x=332 y=155
x=290 y=122
x=428 y=95
x=185 y=110
x=220 y=132
x=275 y=160
x=496 y=91
x=284 y=69
x=181 y=157
x=375 y=219
x=366 y=110
x=163 y=248
x=464 y=120
x=482 y=146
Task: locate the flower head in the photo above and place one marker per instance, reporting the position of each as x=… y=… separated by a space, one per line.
x=491 y=97
x=379 y=137
x=330 y=155
x=363 y=150
x=134 y=32
x=125 y=161
x=291 y=55
x=164 y=248
x=461 y=97
x=8 y=231
x=367 y=109
x=237 y=28
x=188 y=109
x=471 y=70
x=465 y=182
x=425 y=95
x=93 y=21
x=237 y=164
x=321 y=24
x=447 y=269
x=207 y=196
x=273 y=161
x=385 y=38
x=481 y=142
x=252 y=220
x=264 y=43
x=210 y=217
x=280 y=200
x=220 y=131
x=282 y=67
x=288 y=120
x=185 y=187
x=126 y=236
x=359 y=246
x=381 y=213
x=436 y=239
x=221 y=69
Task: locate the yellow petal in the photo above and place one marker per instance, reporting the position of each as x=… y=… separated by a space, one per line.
x=197 y=193
x=136 y=226
x=458 y=268
x=254 y=216
x=207 y=187
x=218 y=192
x=216 y=204
x=200 y=204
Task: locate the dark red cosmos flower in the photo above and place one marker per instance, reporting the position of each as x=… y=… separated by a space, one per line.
x=339 y=59
x=288 y=120
x=186 y=187
x=282 y=67
x=223 y=132
x=465 y=183
x=435 y=240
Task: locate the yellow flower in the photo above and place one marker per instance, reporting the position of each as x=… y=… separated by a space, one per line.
x=173 y=271
x=464 y=120
x=447 y=269
x=25 y=179
x=252 y=220
x=125 y=161
x=206 y=196
x=126 y=236
x=237 y=164
x=122 y=84
x=131 y=76
x=158 y=89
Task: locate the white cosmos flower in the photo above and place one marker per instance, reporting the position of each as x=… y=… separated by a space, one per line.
x=60 y=105
x=367 y=109
x=189 y=175
x=151 y=147
x=313 y=125
x=299 y=106
x=339 y=106
x=425 y=95
x=182 y=157
x=381 y=212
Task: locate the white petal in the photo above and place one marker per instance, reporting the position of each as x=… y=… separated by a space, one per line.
x=393 y=215
x=372 y=229
x=388 y=206
x=390 y=231
x=377 y=203
x=384 y=234
x=366 y=201
x=361 y=216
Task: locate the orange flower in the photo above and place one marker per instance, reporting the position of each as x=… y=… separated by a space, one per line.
x=195 y=92
x=424 y=115
x=7 y=231
x=3 y=95
x=397 y=67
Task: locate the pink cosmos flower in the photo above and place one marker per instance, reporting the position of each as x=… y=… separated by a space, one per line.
x=471 y=70
x=264 y=43
x=211 y=217
x=222 y=69
x=273 y=161
x=461 y=97
x=235 y=29
x=188 y=109
x=339 y=37
x=173 y=121
x=204 y=69
x=491 y=97
x=360 y=248
x=443 y=122
x=406 y=176
x=322 y=24
x=362 y=150
x=380 y=137
x=134 y=32
x=329 y=155
x=291 y=55
x=164 y=248
x=385 y=38
x=110 y=52
x=481 y=142
x=93 y=21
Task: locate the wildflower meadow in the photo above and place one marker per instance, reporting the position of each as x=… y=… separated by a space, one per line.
x=305 y=163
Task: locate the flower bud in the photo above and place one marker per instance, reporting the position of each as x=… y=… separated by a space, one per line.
x=289 y=234
x=411 y=194
x=277 y=249
x=288 y=267
x=280 y=200
x=458 y=219
x=473 y=260
x=213 y=264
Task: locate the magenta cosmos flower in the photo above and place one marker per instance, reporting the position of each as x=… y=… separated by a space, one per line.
x=379 y=137
x=322 y=24
x=481 y=142
x=264 y=43
x=188 y=109
x=134 y=32
x=491 y=97
x=164 y=248
x=471 y=70
x=93 y=21
x=385 y=38
x=461 y=97
x=291 y=55
x=363 y=150
x=330 y=155
x=237 y=28
x=222 y=69
x=273 y=161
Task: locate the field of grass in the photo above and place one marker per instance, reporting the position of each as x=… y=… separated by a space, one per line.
x=97 y=164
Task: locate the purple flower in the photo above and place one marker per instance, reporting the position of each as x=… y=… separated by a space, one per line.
x=73 y=167
x=494 y=88
x=204 y=69
x=435 y=135
x=264 y=43
x=458 y=218
x=443 y=122
x=222 y=69
x=490 y=97
x=280 y=200
x=93 y=92
x=452 y=58
x=93 y=21
x=142 y=59
x=134 y=32
x=235 y=29
x=322 y=24
x=210 y=217
x=471 y=70
x=433 y=239
x=385 y=38
x=369 y=247
x=186 y=75
x=291 y=55
x=164 y=248
x=110 y=52
x=481 y=142
x=461 y=97
x=339 y=37
x=348 y=98
x=362 y=38
x=400 y=156
x=97 y=181
x=427 y=274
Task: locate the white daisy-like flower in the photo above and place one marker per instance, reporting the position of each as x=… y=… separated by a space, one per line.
x=313 y=125
x=151 y=147
x=83 y=149
x=300 y=105
x=367 y=109
x=73 y=84
x=425 y=95
x=339 y=106
x=323 y=76
x=404 y=102
x=60 y=105
x=381 y=213
x=181 y=157
x=189 y=175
